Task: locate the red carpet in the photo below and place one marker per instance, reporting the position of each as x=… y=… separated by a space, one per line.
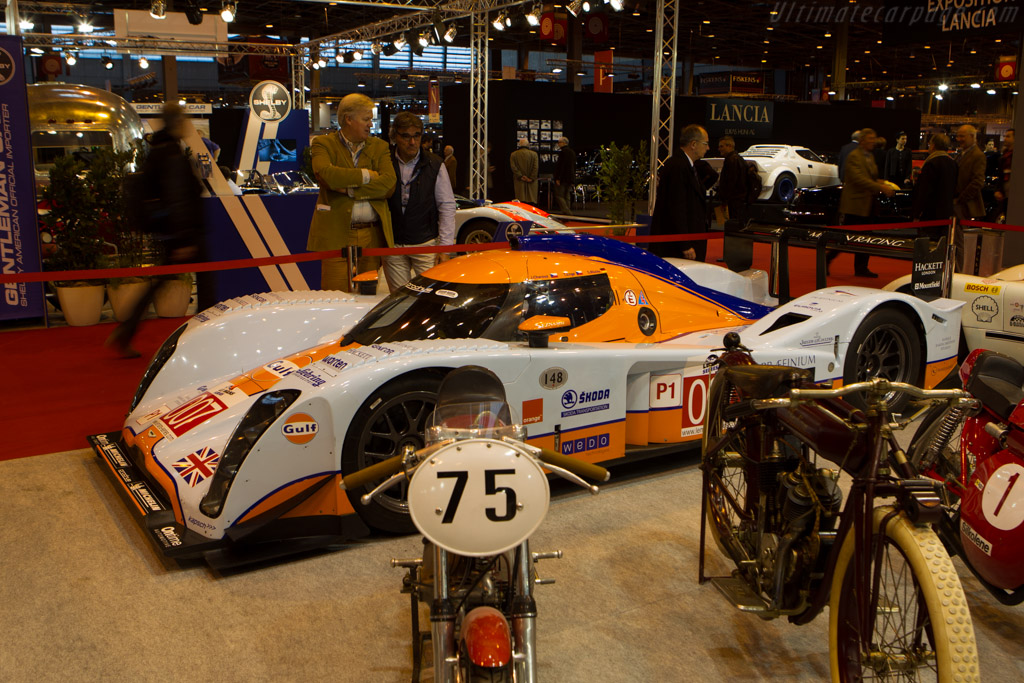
x=67 y=385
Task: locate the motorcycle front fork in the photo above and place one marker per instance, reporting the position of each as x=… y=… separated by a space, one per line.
x=522 y=621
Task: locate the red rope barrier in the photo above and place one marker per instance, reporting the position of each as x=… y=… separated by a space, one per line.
x=972 y=223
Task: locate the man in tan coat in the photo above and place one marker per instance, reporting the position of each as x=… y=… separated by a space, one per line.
x=860 y=185
x=525 y=167
x=970 y=179
x=356 y=177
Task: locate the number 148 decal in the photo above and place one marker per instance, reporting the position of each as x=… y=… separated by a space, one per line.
x=491 y=488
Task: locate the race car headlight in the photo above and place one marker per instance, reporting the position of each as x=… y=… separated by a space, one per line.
x=161 y=357
x=261 y=415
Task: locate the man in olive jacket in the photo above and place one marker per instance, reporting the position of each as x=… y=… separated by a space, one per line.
x=860 y=185
x=970 y=178
x=356 y=178
x=525 y=167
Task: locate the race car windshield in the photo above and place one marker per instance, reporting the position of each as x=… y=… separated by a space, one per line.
x=431 y=309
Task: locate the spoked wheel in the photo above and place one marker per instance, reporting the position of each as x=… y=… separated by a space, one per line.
x=919 y=628
x=887 y=345
x=727 y=471
x=391 y=422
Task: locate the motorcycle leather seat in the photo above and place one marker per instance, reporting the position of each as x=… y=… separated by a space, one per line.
x=766 y=381
x=998 y=382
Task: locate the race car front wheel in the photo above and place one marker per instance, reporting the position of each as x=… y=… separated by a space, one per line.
x=390 y=421
x=887 y=345
x=478 y=231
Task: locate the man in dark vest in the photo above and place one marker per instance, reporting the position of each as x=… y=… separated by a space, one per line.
x=423 y=205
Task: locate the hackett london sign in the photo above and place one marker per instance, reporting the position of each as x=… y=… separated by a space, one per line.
x=744 y=118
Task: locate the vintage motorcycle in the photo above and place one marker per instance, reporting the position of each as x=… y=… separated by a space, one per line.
x=476 y=492
x=979 y=455
x=896 y=606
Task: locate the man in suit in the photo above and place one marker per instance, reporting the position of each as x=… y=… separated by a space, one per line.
x=356 y=178
x=682 y=201
x=898 y=162
x=969 y=180
x=936 y=185
x=565 y=176
x=451 y=164
x=525 y=167
x=860 y=185
x=845 y=150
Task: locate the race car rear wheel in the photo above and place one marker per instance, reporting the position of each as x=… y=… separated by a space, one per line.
x=785 y=188
x=390 y=421
x=477 y=231
x=888 y=345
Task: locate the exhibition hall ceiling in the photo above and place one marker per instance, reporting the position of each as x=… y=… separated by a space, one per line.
x=728 y=32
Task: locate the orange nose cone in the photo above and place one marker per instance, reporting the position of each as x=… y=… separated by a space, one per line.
x=487 y=636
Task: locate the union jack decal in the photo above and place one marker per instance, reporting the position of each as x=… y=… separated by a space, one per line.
x=195 y=467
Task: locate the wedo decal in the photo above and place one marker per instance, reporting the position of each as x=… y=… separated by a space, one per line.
x=300 y=428
x=194 y=468
x=586 y=443
x=584 y=402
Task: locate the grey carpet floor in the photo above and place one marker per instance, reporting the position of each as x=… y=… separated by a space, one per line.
x=83 y=597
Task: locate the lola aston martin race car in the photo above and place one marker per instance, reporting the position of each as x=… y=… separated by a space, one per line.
x=250 y=412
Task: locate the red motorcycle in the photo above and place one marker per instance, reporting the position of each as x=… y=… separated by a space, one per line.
x=979 y=454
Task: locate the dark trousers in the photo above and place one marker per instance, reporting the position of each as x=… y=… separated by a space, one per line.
x=860 y=261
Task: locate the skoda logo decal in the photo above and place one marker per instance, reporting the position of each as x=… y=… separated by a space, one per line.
x=269 y=101
x=569 y=399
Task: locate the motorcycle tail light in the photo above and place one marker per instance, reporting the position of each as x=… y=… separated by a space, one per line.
x=261 y=415
x=487 y=637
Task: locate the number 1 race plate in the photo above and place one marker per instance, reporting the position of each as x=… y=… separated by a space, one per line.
x=478 y=497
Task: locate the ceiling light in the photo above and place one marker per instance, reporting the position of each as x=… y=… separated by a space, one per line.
x=449 y=35
x=321 y=61
x=890 y=98
x=107 y=63
x=399 y=42
x=315 y=65
x=388 y=85
x=183 y=101
x=85 y=27
x=586 y=5
x=616 y=5
x=499 y=22
x=424 y=40
x=339 y=56
x=411 y=85
x=533 y=18
x=557 y=70
x=37 y=51
x=975 y=85
x=361 y=83
x=938 y=97
x=991 y=91
x=158 y=9
x=71 y=58
x=26 y=24
x=943 y=87
x=228 y=10
x=574 y=7
x=143 y=63
x=357 y=55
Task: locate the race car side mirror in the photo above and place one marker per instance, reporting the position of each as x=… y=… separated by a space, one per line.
x=539 y=327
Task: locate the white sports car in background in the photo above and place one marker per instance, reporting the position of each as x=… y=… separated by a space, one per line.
x=784 y=168
x=476 y=224
x=993 y=313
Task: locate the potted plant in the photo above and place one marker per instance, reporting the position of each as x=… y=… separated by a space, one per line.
x=73 y=221
x=125 y=292
x=622 y=178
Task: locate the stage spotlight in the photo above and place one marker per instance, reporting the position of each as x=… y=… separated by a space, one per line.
x=315 y=65
x=356 y=55
x=143 y=63
x=616 y=5
x=376 y=47
x=499 y=22
x=436 y=29
x=85 y=27
x=424 y=39
x=321 y=61
x=412 y=38
x=586 y=5
x=574 y=7
x=389 y=49
x=556 y=70
x=449 y=35
x=228 y=10
x=339 y=57
x=399 y=42
x=71 y=58
x=943 y=87
x=158 y=9
x=411 y=85
x=533 y=18
x=388 y=85
x=990 y=91
x=107 y=63
x=361 y=83
x=26 y=24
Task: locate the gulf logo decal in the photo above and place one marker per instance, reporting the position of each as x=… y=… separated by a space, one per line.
x=300 y=428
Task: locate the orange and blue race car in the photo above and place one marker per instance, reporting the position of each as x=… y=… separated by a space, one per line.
x=249 y=413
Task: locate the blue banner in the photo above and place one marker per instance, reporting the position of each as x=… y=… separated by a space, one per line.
x=19 y=232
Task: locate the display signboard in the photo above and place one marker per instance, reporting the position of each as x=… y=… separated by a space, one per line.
x=269 y=101
x=929 y=268
x=921 y=21
x=19 y=234
x=743 y=118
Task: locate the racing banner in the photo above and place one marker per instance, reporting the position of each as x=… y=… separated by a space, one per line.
x=19 y=234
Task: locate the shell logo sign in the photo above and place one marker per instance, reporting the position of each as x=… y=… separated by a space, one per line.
x=300 y=428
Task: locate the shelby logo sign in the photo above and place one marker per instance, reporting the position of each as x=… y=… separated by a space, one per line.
x=745 y=118
x=269 y=101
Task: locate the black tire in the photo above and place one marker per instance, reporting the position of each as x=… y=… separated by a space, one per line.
x=920 y=627
x=392 y=419
x=785 y=188
x=727 y=474
x=888 y=345
x=477 y=231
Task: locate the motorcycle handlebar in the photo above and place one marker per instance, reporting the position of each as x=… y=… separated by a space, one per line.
x=577 y=467
x=380 y=470
x=879 y=385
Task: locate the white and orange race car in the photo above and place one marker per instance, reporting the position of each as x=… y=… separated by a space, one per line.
x=249 y=413
x=501 y=221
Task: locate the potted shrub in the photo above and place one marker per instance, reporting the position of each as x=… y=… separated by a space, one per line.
x=73 y=221
x=622 y=178
x=125 y=292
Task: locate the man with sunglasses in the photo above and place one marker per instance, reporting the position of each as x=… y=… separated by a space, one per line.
x=423 y=205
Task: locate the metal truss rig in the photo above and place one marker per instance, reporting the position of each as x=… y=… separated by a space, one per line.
x=154 y=45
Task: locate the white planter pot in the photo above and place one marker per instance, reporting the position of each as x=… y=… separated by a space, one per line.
x=172 y=298
x=124 y=297
x=81 y=305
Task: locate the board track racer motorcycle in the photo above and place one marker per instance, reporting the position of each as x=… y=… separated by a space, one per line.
x=476 y=493
x=249 y=414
